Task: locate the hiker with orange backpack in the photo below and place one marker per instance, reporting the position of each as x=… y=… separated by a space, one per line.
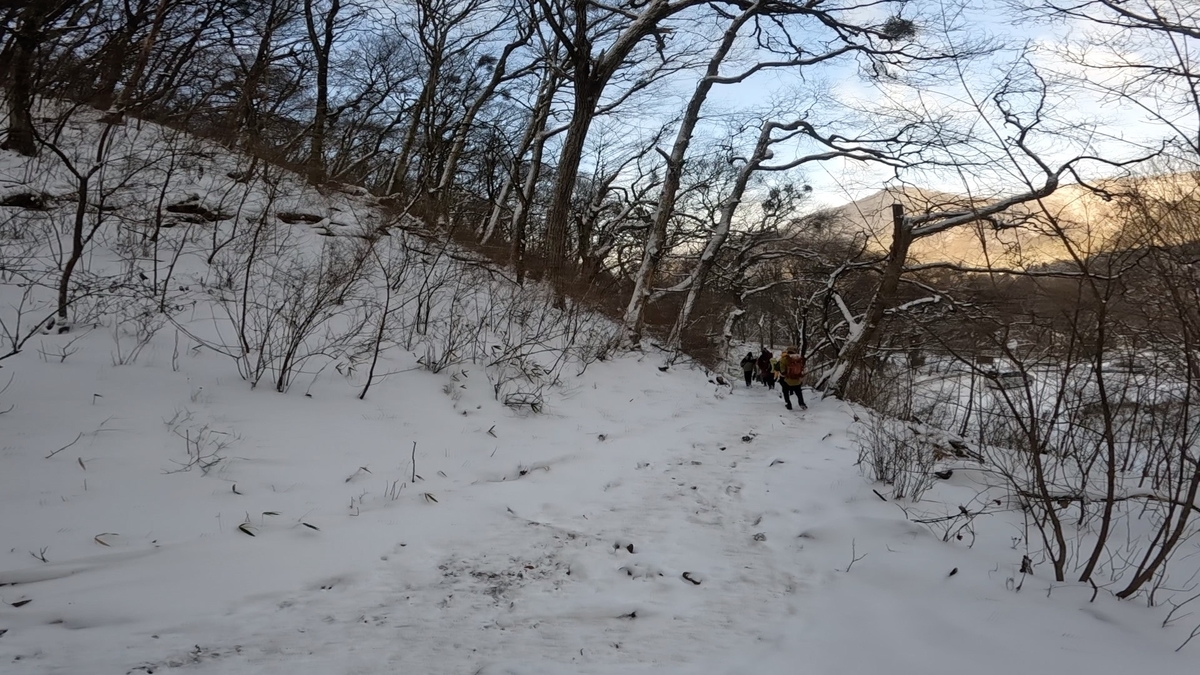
x=791 y=368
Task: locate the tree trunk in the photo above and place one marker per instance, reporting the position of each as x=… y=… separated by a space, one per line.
x=589 y=78
x=321 y=46
x=400 y=169
x=534 y=138
x=64 y=282
x=139 y=66
x=506 y=190
x=864 y=334
x=520 y=219
x=20 y=137
x=584 y=112
x=720 y=233
x=112 y=64
x=656 y=240
x=247 y=126
x=1110 y=444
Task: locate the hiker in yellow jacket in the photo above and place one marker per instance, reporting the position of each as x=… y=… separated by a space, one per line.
x=791 y=367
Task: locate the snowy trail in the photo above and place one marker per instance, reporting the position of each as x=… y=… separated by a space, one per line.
x=587 y=571
x=629 y=529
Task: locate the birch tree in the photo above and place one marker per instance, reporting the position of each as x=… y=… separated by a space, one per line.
x=786 y=36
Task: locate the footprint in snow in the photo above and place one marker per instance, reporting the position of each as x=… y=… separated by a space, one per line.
x=639 y=570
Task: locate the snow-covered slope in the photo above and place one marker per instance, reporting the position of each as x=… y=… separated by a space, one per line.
x=647 y=521
x=508 y=497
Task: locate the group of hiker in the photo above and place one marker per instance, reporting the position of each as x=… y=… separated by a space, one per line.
x=787 y=370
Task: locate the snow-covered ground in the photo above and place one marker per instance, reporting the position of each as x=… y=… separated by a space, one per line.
x=159 y=513
x=646 y=521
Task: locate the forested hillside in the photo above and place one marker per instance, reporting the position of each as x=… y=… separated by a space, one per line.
x=443 y=297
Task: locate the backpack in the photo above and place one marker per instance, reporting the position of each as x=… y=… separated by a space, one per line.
x=795 y=367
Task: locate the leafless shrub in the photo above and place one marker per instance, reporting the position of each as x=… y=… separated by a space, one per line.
x=892 y=451
x=131 y=334
x=898 y=442
x=288 y=303
x=532 y=401
x=205 y=446
x=59 y=352
x=452 y=310
x=393 y=267
x=456 y=326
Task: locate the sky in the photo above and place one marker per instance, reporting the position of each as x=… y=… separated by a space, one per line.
x=1084 y=121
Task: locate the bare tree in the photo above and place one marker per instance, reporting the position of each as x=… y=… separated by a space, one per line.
x=501 y=73
x=782 y=32
x=1025 y=111
x=35 y=21
x=322 y=25
x=144 y=53
x=446 y=35
x=1141 y=53
x=522 y=178
x=579 y=30
x=246 y=113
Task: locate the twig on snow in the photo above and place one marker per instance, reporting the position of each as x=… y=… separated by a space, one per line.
x=1194 y=633
x=853 y=555
x=65 y=446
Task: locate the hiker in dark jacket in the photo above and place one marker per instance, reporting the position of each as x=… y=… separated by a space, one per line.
x=791 y=367
x=748 y=367
x=764 y=369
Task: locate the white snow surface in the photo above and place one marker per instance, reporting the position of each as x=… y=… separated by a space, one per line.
x=528 y=543
x=556 y=545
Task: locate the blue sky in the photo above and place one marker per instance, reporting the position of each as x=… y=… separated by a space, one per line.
x=1082 y=120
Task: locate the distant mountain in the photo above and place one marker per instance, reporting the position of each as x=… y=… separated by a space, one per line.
x=1082 y=220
